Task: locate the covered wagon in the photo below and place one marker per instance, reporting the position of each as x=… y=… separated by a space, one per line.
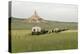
x=38 y=30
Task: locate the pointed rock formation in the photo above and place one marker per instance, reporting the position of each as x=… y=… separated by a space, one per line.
x=35 y=18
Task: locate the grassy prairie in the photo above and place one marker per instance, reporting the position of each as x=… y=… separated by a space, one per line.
x=23 y=41
x=18 y=24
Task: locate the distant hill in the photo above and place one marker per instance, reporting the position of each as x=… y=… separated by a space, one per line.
x=17 y=23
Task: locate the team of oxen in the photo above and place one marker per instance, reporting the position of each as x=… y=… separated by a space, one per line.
x=38 y=30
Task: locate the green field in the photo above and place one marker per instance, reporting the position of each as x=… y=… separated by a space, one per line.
x=23 y=41
x=20 y=24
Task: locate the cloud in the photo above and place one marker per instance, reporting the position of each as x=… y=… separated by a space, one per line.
x=48 y=11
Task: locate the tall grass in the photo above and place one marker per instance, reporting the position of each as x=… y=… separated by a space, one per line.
x=23 y=41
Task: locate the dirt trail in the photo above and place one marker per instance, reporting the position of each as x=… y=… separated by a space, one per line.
x=71 y=31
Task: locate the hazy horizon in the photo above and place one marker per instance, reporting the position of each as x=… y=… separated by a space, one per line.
x=47 y=11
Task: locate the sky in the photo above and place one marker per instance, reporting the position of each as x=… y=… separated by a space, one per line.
x=47 y=11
